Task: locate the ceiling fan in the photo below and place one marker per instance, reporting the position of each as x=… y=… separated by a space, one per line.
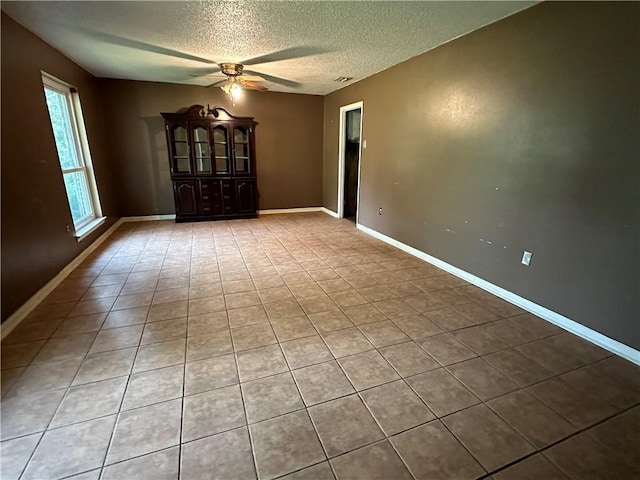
x=235 y=80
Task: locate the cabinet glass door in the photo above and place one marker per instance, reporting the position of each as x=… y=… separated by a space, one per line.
x=180 y=150
x=221 y=149
x=241 y=150
x=202 y=150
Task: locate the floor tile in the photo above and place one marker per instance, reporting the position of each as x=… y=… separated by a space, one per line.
x=532 y=468
x=241 y=317
x=260 y=362
x=408 y=359
x=228 y=454
x=375 y=462
x=344 y=424
x=322 y=382
x=164 y=331
x=292 y=328
x=432 y=453
x=396 y=407
x=442 y=393
x=348 y=341
x=535 y=326
x=423 y=302
x=239 y=300
x=95 y=305
x=117 y=338
x=253 y=336
x=321 y=471
x=582 y=457
x=65 y=347
x=383 y=334
x=520 y=368
x=132 y=301
x=81 y=324
x=329 y=321
x=509 y=332
x=367 y=369
x=609 y=389
x=161 y=465
x=480 y=340
x=275 y=294
x=446 y=349
x=158 y=355
x=271 y=396
x=126 y=318
x=209 y=304
x=362 y=314
x=207 y=323
x=283 y=309
x=154 y=386
x=145 y=430
x=395 y=308
x=167 y=311
x=90 y=401
x=306 y=351
x=28 y=413
x=20 y=354
x=216 y=372
x=620 y=435
x=15 y=454
x=212 y=412
x=449 y=319
x=417 y=326
x=102 y=366
x=482 y=379
x=581 y=409
x=317 y=304
x=487 y=437
x=275 y=452
x=70 y=450
x=47 y=376
x=550 y=356
x=536 y=422
x=209 y=345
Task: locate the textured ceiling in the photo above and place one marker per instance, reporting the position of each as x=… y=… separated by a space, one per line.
x=308 y=43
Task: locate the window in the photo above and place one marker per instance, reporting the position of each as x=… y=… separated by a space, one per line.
x=70 y=136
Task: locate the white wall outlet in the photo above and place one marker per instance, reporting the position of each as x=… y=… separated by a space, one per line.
x=380 y=211
x=526 y=258
x=364 y=144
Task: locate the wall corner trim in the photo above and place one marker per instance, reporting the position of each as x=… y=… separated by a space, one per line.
x=561 y=321
x=329 y=212
x=275 y=211
x=14 y=320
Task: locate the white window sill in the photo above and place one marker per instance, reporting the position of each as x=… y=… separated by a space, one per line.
x=89 y=228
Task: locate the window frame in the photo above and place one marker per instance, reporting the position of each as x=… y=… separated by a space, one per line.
x=87 y=224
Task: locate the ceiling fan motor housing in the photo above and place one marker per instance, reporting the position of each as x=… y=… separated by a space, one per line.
x=232 y=69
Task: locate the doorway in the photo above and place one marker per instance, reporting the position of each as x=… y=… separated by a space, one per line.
x=349 y=163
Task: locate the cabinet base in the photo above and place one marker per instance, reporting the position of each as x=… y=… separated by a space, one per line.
x=213 y=218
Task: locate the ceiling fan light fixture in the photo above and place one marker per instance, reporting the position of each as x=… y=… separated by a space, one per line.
x=343 y=79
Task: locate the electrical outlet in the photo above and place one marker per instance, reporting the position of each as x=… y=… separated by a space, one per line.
x=68 y=228
x=380 y=211
x=526 y=258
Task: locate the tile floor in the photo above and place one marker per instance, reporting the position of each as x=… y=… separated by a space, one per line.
x=295 y=346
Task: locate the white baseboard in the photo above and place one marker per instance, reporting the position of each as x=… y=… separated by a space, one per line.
x=330 y=212
x=20 y=314
x=275 y=211
x=561 y=321
x=148 y=218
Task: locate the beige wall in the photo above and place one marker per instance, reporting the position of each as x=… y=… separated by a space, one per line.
x=523 y=134
x=35 y=212
x=288 y=142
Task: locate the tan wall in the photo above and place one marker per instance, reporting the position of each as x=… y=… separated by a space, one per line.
x=35 y=212
x=523 y=134
x=288 y=142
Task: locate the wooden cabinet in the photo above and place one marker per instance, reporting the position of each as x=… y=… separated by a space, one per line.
x=212 y=164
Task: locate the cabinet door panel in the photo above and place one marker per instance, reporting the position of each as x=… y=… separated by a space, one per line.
x=228 y=196
x=245 y=196
x=179 y=149
x=185 y=195
x=201 y=148
x=241 y=163
x=221 y=150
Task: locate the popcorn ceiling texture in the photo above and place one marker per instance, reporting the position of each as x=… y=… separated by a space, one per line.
x=168 y=41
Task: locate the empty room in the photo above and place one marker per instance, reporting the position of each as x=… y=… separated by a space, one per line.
x=320 y=240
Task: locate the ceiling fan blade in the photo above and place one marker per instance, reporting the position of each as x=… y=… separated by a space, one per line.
x=217 y=84
x=285 y=54
x=278 y=80
x=251 y=78
x=252 y=85
x=147 y=47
